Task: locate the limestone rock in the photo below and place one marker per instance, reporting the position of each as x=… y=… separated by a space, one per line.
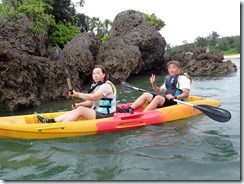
x=134 y=47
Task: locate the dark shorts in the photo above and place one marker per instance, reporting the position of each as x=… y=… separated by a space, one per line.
x=100 y=115
x=166 y=103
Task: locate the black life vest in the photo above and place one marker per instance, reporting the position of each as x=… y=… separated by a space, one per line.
x=172 y=84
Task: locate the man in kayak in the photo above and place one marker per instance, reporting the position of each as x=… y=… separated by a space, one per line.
x=176 y=86
x=101 y=98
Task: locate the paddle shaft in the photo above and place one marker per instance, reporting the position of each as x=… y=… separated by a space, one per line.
x=179 y=101
x=67 y=74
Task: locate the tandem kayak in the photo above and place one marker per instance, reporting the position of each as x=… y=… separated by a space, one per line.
x=27 y=126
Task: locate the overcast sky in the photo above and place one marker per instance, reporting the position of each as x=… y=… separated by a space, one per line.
x=184 y=19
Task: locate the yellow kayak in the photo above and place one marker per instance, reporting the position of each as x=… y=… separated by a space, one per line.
x=28 y=127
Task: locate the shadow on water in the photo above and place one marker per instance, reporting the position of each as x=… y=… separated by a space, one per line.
x=218 y=147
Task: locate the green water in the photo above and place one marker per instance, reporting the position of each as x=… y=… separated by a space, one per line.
x=196 y=148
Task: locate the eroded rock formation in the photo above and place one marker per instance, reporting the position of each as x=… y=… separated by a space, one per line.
x=198 y=62
x=31 y=72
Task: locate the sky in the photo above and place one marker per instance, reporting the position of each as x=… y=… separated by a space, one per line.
x=185 y=19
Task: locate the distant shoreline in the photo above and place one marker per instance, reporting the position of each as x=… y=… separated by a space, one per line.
x=232 y=56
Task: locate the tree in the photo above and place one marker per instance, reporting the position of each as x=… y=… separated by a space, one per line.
x=35 y=10
x=62 y=33
x=168 y=46
x=80 y=3
x=184 y=41
x=63 y=11
x=96 y=26
x=9 y=9
x=213 y=38
x=223 y=44
x=80 y=21
x=215 y=35
x=201 y=42
x=237 y=44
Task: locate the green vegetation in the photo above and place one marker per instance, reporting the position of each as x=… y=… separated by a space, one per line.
x=54 y=18
x=33 y=9
x=154 y=21
x=105 y=38
x=63 y=33
x=225 y=45
x=59 y=21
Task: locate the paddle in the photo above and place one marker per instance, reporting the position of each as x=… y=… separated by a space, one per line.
x=58 y=51
x=216 y=113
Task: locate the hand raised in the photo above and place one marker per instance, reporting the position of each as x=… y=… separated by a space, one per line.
x=152 y=78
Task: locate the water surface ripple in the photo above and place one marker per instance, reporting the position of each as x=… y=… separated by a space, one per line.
x=196 y=148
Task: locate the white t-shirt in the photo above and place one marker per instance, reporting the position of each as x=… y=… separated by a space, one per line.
x=106 y=90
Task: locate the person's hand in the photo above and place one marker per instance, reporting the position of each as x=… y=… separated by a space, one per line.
x=152 y=78
x=73 y=93
x=169 y=97
x=76 y=106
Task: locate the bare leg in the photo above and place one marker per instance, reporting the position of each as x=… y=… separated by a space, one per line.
x=80 y=112
x=157 y=101
x=63 y=116
x=142 y=99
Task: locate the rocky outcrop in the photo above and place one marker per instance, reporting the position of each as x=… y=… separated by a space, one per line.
x=80 y=57
x=198 y=62
x=119 y=59
x=133 y=47
x=28 y=80
x=31 y=72
x=21 y=71
x=17 y=35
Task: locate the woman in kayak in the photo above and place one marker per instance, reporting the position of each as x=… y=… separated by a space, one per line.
x=176 y=86
x=101 y=98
